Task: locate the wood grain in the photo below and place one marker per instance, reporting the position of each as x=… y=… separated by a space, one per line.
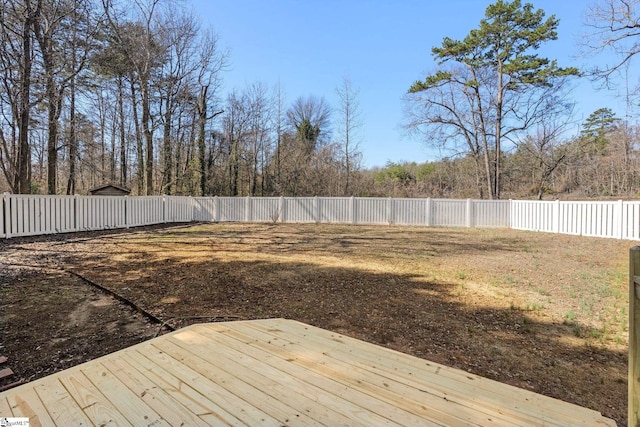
x=277 y=372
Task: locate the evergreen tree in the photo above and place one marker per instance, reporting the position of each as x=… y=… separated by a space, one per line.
x=597 y=126
x=504 y=84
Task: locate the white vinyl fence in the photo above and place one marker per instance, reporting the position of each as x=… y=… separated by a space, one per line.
x=28 y=215
x=617 y=220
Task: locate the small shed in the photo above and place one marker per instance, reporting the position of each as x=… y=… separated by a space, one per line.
x=109 y=190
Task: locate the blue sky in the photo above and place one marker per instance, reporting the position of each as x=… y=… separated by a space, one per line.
x=382 y=45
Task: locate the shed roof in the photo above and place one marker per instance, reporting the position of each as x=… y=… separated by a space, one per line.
x=109 y=186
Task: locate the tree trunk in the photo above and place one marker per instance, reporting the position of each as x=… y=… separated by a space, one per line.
x=496 y=173
x=73 y=143
x=148 y=134
x=22 y=177
x=52 y=136
x=202 y=120
x=140 y=150
x=167 y=149
x=123 y=149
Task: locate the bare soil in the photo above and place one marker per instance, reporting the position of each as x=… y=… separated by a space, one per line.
x=543 y=312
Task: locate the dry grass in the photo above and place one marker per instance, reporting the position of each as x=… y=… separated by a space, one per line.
x=540 y=311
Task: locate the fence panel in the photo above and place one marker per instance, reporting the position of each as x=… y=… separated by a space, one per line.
x=411 y=212
x=631 y=221
x=204 y=209
x=449 y=213
x=30 y=215
x=301 y=209
x=599 y=219
x=533 y=215
x=3 y=217
x=335 y=210
x=144 y=210
x=371 y=211
x=100 y=212
x=63 y=216
x=27 y=215
x=178 y=209
x=491 y=213
x=231 y=209
x=264 y=209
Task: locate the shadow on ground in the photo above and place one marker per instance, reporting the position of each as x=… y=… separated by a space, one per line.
x=437 y=321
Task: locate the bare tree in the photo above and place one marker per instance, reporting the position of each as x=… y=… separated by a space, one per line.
x=451 y=116
x=349 y=123
x=212 y=61
x=614 y=26
x=310 y=117
x=141 y=45
x=17 y=23
x=259 y=135
x=279 y=119
x=545 y=147
x=179 y=32
x=63 y=57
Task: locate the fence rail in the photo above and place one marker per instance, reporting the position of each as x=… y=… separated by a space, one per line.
x=28 y=215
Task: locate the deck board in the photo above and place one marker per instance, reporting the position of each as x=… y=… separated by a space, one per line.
x=277 y=372
x=448 y=384
x=5 y=408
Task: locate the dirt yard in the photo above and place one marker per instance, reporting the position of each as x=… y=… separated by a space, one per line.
x=543 y=312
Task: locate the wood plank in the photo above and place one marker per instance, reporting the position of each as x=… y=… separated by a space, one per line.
x=312 y=402
x=415 y=397
x=28 y=404
x=62 y=408
x=249 y=412
x=468 y=386
x=256 y=393
x=128 y=403
x=633 y=387
x=274 y=372
x=506 y=397
x=5 y=408
x=409 y=402
x=152 y=395
x=348 y=384
x=193 y=401
x=340 y=410
x=94 y=404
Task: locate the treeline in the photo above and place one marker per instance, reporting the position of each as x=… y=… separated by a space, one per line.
x=108 y=91
x=129 y=93
x=602 y=161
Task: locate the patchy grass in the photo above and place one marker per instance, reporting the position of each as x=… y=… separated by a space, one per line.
x=540 y=311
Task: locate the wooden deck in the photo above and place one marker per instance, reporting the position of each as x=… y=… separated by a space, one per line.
x=276 y=372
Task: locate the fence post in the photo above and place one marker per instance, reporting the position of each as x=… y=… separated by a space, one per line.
x=76 y=213
x=281 y=209
x=316 y=210
x=216 y=209
x=126 y=211
x=390 y=218
x=556 y=216
x=165 y=214
x=247 y=209
x=619 y=221
x=352 y=210
x=429 y=221
x=469 y=213
x=634 y=336
x=7 y=214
